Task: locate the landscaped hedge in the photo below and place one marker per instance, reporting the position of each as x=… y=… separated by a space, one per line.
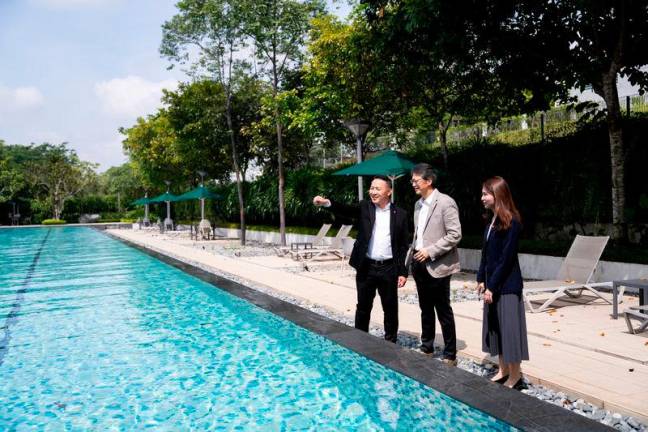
x=561 y=181
x=53 y=222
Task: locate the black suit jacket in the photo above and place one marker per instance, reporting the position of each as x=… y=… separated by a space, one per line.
x=364 y=215
x=499 y=268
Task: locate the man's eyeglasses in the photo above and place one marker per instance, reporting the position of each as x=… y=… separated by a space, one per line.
x=416 y=181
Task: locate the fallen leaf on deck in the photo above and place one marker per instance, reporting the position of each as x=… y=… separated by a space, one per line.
x=546 y=344
x=646 y=343
x=554 y=321
x=631 y=370
x=602 y=334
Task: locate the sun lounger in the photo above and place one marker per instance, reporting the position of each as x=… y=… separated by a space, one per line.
x=574 y=276
x=317 y=241
x=335 y=248
x=638 y=313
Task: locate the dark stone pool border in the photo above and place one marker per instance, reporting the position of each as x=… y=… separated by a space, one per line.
x=515 y=408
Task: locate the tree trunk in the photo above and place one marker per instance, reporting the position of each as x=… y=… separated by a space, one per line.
x=617 y=159
x=235 y=163
x=282 y=202
x=56 y=203
x=443 y=138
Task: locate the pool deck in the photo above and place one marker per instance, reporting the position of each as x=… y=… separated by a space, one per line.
x=578 y=349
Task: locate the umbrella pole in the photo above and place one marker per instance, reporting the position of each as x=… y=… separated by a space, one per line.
x=146 y=215
x=168 y=221
x=202 y=208
x=392 y=180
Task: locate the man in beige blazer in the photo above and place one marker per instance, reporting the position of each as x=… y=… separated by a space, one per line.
x=434 y=259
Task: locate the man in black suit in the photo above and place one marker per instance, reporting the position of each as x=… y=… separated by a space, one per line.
x=378 y=254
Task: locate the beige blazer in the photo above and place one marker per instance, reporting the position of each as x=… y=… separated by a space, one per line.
x=441 y=236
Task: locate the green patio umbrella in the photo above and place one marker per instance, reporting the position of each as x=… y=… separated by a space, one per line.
x=142 y=201
x=165 y=197
x=168 y=198
x=389 y=163
x=201 y=193
x=145 y=202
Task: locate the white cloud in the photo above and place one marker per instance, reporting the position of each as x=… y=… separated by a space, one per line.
x=131 y=96
x=72 y=3
x=20 y=98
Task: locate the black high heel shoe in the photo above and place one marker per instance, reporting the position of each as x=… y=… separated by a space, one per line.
x=520 y=385
x=501 y=380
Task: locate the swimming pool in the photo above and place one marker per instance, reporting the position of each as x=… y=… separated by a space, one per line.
x=98 y=335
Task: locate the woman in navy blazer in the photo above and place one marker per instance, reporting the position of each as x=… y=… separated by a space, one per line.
x=500 y=280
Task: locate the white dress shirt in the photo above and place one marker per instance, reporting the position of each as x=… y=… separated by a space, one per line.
x=380 y=242
x=422 y=217
x=491 y=227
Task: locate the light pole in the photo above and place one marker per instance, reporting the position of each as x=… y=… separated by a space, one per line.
x=359 y=128
x=168 y=221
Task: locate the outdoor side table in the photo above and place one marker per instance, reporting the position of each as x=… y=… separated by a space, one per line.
x=640 y=284
x=295 y=246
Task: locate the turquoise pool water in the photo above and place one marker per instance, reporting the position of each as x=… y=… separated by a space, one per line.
x=96 y=335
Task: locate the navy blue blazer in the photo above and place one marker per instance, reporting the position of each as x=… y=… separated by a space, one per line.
x=364 y=215
x=499 y=268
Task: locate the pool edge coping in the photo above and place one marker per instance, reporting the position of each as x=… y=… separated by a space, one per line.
x=515 y=408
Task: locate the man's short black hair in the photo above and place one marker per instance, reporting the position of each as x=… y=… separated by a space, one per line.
x=383 y=178
x=425 y=171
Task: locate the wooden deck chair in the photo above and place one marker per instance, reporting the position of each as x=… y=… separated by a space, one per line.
x=639 y=313
x=574 y=276
x=317 y=241
x=335 y=248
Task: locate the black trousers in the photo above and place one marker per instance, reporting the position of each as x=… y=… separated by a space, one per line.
x=372 y=277
x=434 y=294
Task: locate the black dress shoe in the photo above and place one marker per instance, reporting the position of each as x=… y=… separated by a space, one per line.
x=426 y=350
x=501 y=380
x=520 y=385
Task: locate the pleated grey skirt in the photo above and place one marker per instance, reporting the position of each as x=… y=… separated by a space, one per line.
x=504 y=330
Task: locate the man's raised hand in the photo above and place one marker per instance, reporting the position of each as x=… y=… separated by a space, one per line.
x=320 y=201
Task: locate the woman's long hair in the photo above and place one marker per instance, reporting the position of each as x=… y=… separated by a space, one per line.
x=504 y=209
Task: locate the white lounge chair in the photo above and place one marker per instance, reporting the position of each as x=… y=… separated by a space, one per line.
x=347 y=249
x=575 y=274
x=317 y=241
x=639 y=313
x=335 y=248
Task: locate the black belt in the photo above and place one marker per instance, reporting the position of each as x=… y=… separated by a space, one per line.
x=380 y=262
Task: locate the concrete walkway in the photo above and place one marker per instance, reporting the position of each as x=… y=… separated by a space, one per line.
x=578 y=348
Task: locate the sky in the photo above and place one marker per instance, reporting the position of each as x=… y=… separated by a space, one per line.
x=77 y=70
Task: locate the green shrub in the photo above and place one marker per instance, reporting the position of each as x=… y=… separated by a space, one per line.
x=53 y=222
x=127 y=220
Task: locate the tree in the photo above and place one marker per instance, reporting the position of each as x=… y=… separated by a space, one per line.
x=347 y=78
x=595 y=43
x=150 y=145
x=60 y=175
x=11 y=180
x=535 y=52
x=122 y=181
x=277 y=29
x=214 y=29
